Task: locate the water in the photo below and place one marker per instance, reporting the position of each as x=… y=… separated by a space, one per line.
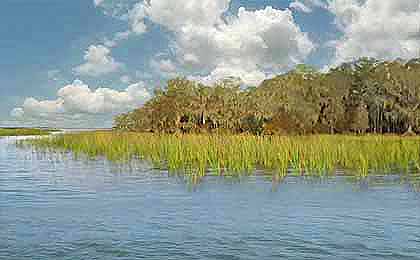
x=53 y=207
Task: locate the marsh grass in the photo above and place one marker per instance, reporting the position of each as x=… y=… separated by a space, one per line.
x=23 y=132
x=198 y=155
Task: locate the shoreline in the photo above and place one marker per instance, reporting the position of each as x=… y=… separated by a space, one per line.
x=10 y=132
x=317 y=155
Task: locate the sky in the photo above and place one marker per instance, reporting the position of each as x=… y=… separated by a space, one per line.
x=79 y=63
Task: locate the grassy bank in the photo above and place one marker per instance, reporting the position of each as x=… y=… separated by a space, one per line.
x=309 y=155
x=23 y=131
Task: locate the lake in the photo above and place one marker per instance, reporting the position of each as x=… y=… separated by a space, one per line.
x=56 y=207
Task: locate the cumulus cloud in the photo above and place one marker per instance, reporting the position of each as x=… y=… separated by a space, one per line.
x=170 y=14
x=164 y=68
x=77 y=100
x=136 y=18
x=209 y=44
x=300 y=6
x=98 y=62
x=125 y=79
x=376 y=28
x=119 y=36
x=174 y=15
x=97 y=2
x=17 y=112
x=307 y=6
x=248 y=77
x=45 y=108
x=261 y=41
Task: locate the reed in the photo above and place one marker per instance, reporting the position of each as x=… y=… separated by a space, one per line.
x=23 y=132
x=319 y=155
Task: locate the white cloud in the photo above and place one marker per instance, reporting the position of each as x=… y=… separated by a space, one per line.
x=376 y=28
x=207 y=45
x=249 y=77
x=42 y=109
x=98 y=62
x=174 y=15
x=17 y=112
x=77 y=100
x=136 y=19
x=97 y=2
x=307 y=6
x=119 y=36
x=299 y=6
x=253 y=41
x=164 y=68
x=125 y=79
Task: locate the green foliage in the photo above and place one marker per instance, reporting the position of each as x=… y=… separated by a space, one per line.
x=366 y=96
x=318 y=155
x=305 y=69
x=23 y=131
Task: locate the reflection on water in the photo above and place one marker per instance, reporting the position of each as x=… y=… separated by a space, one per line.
x=54 y=207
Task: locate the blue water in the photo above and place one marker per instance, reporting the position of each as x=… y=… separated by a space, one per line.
x=54 y=207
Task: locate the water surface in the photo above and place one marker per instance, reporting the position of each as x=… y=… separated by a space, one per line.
x=55 y=207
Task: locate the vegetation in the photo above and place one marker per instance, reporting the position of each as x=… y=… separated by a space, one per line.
x=23 y=131
x=279 y=126
x=366 y=96
x=234 y=154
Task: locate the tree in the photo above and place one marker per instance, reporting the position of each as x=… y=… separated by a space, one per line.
x=362 y=96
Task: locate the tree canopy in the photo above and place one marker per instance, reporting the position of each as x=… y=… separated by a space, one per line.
x=359 y=97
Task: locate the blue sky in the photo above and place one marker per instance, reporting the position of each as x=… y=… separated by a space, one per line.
x=79 y=62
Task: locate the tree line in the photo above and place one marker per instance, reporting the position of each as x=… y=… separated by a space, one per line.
x=366 y=96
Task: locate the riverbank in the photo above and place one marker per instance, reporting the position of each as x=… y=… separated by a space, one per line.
x=237 y=154
x=24 y=132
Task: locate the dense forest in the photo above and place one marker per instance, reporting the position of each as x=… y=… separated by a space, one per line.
x=367 y=96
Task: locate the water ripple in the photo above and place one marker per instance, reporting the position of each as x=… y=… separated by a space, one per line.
x=53 y=206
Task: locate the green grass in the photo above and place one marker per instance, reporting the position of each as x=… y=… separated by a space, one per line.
x=240 y=154
x=22 y=132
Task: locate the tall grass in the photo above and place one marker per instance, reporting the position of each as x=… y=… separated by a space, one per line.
x=22 y=131
x=234 y=154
